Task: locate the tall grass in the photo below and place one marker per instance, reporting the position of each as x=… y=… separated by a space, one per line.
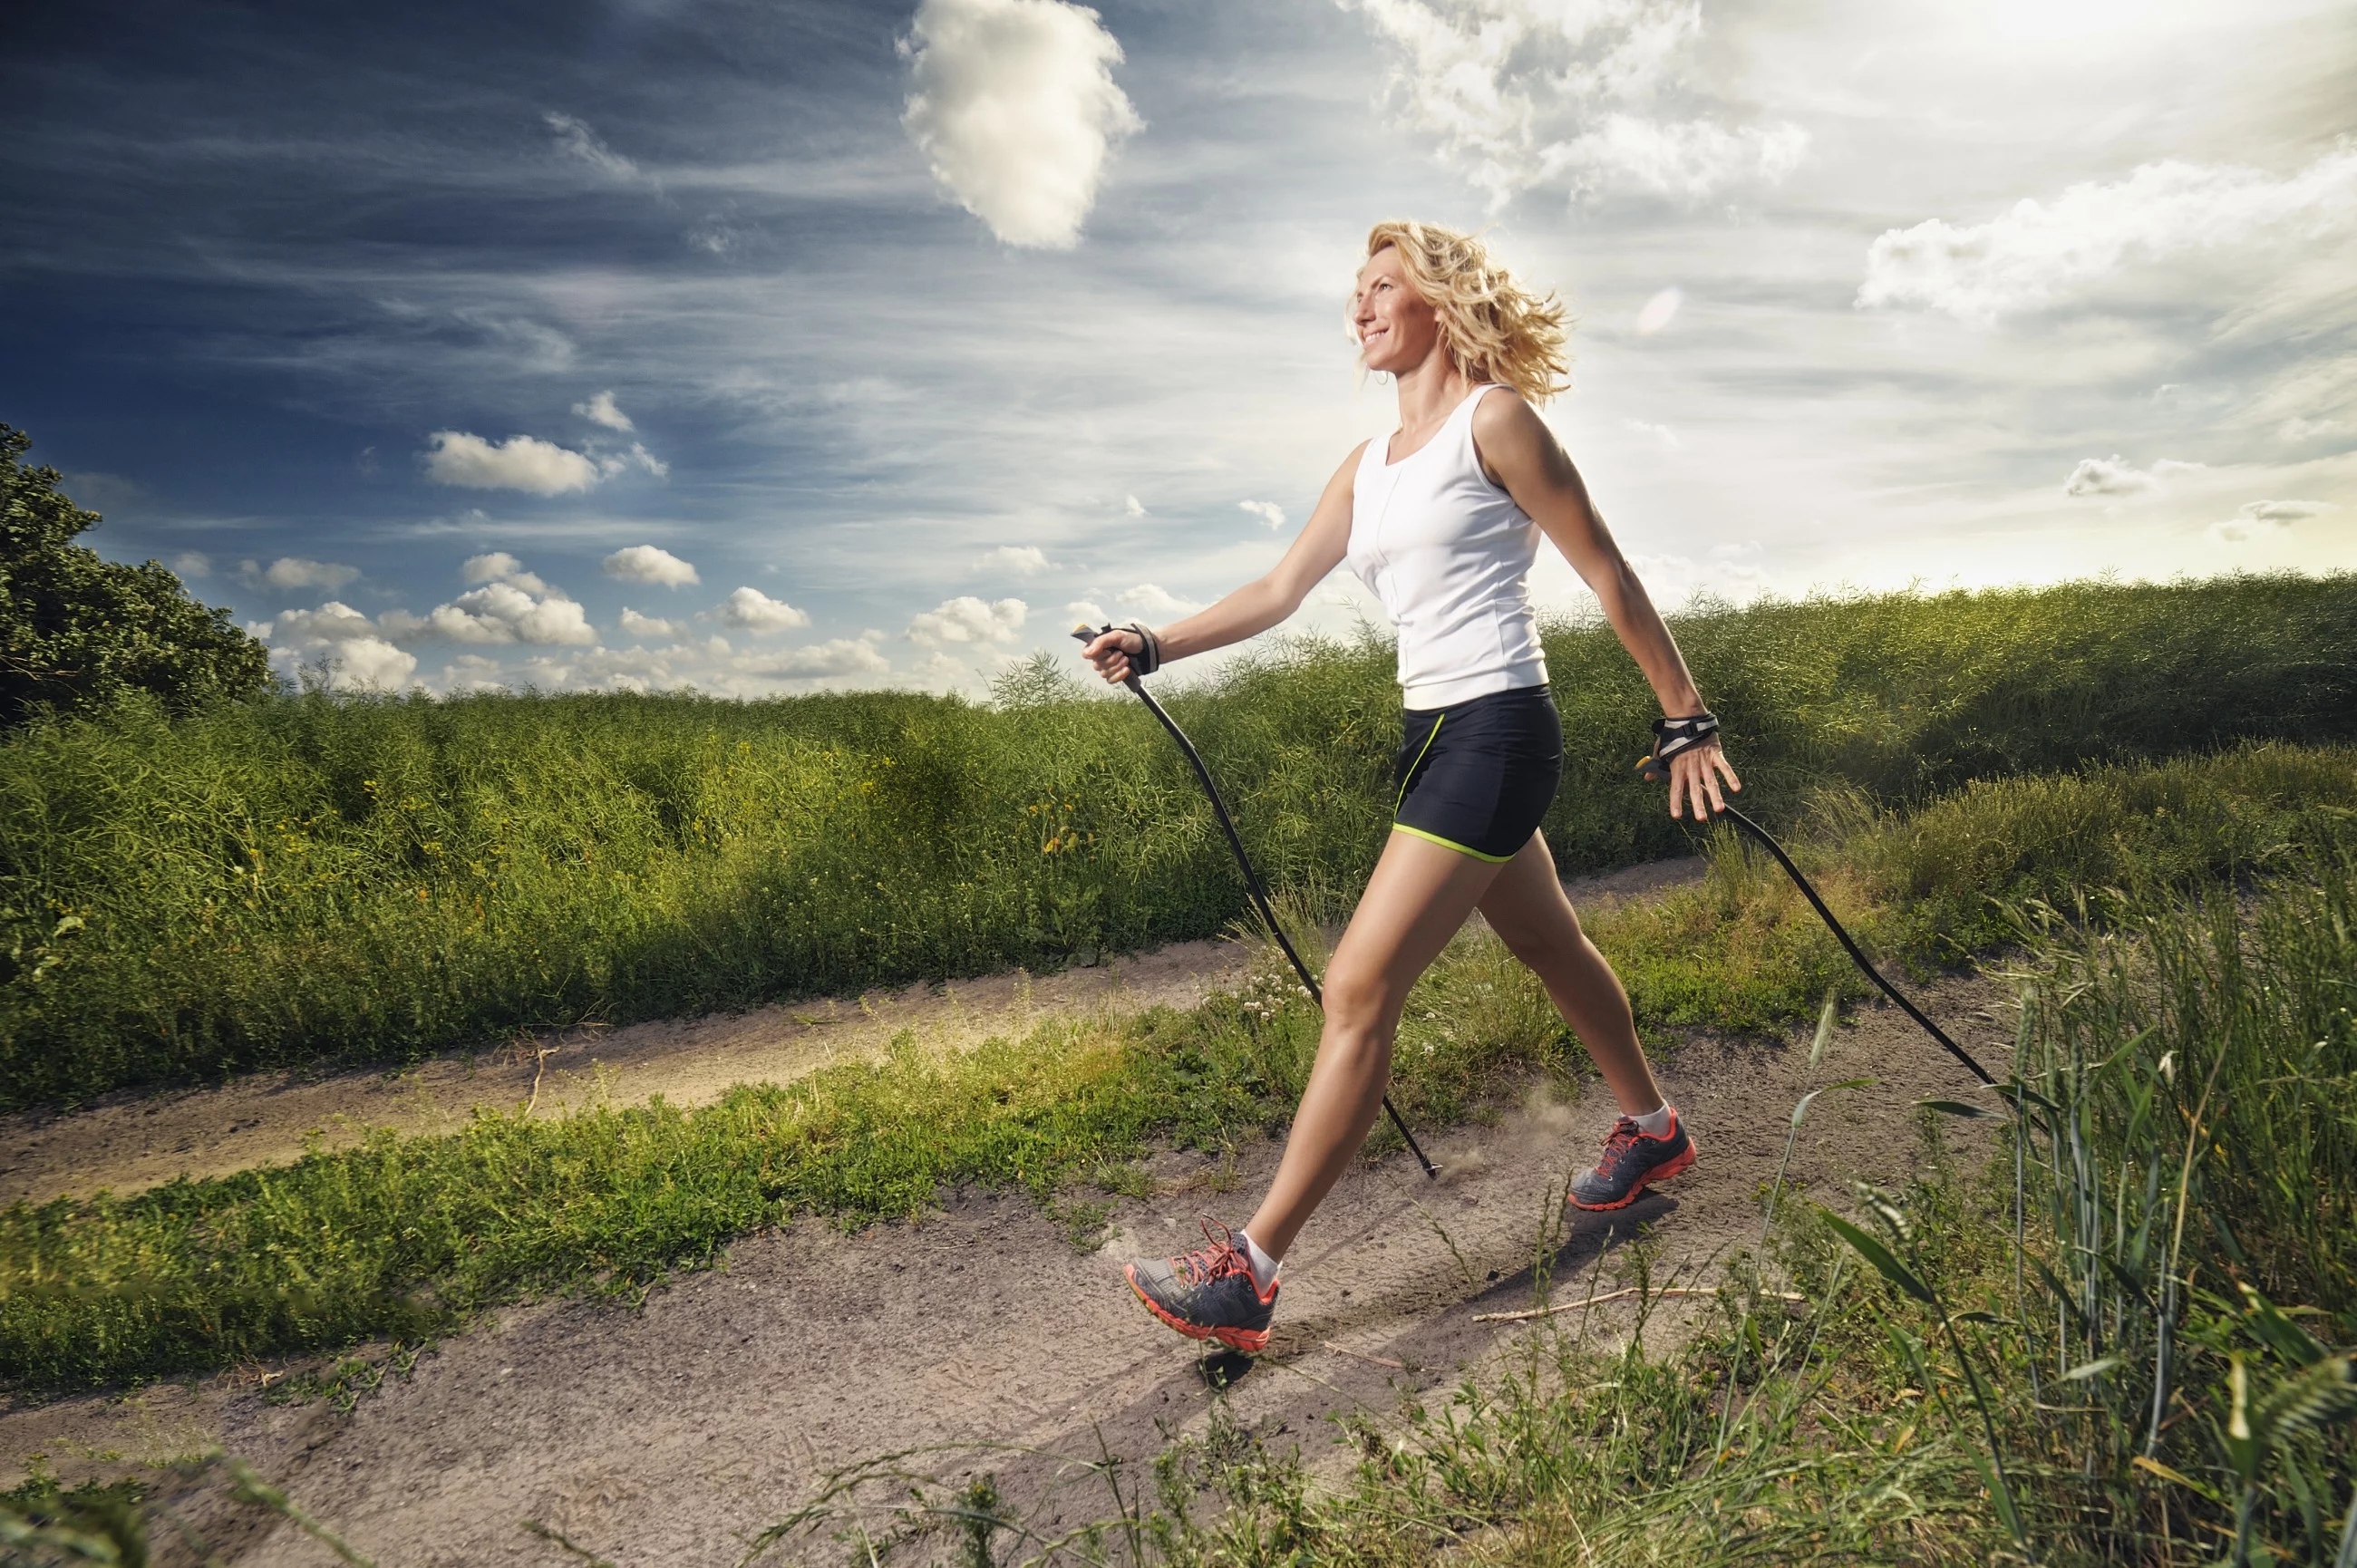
x=2128 y=1340
x=409 y=1235
x=316 y=877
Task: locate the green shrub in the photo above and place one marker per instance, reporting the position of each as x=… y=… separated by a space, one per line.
x=312 y=877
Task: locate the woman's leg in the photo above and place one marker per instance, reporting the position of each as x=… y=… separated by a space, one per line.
x=1416 y=900
x=1526 y=907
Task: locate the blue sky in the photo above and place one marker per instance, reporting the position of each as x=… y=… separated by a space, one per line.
x=763 y=347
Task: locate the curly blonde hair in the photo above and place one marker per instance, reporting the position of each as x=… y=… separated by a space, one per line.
x=1496 y=330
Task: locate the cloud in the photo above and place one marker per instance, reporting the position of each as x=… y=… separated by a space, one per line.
x=2114 y=476
x=2253 y=520
x=647 y=564
x=2026 y=258
x=370 y=664
x=1660 y=311
x=519 y=463
x=358 y=657
x=1536 y=92
x=1022 y=560
x=1268 y=513
x=574 y=136
x=1660 y=433
x=1131 y=506
x=331 y=622
x=1088 y=612
x=512 y=605
x=1150 y=598
x=289 y=572
x=600 y=409
x=637 y=625
x=1014 y=105
x=968 y=619
x=473 y=672
x=843 y=655
x=749 y=609
x=193 y=563
x=498 y=566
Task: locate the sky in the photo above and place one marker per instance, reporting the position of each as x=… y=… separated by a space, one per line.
x=766 y=348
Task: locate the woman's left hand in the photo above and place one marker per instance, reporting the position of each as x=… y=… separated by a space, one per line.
x=1694 y=776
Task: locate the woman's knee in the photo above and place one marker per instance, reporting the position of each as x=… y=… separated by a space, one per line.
x=1362 y=1000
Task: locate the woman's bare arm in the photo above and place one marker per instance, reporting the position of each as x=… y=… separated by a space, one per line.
x=1259 y=604
x=1521 y=454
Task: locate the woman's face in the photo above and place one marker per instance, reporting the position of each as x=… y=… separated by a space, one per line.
x=1396 y=329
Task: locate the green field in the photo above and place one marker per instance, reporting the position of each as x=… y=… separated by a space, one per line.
x=308 y=878
x=1974 y=1376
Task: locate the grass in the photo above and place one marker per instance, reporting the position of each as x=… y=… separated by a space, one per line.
x=2127 y=1340
x=404 y=1237
x=315 y=878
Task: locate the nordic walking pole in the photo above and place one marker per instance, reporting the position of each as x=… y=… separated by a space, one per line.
x=1251 y=878
x=1674 y=735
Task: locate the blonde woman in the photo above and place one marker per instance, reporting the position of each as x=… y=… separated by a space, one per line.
x=1442 y=520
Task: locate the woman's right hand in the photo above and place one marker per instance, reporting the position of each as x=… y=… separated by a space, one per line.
x=1110 y=650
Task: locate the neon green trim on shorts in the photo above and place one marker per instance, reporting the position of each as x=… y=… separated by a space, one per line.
x=1409 y=777
x=1450 y=843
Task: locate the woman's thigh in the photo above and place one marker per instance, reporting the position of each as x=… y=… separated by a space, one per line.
x=1417 y=899
x=1525 y=904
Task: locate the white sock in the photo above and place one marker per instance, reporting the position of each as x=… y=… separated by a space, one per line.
x=1655 y=1124
x=1264 y=1267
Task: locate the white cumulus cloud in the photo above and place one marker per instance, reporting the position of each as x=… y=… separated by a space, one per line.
x=1268 y=513
x=843 y=656
x=289 y=572
x=2254 y=518
x=749 y=609
x=601 y=410
x=2114 y=476
x=1153 y=599
x=1014 y=105
x=519 y=463
x=2039 y=249
x=1023 y=560
x=510 y=606
x=1660 y=311
x=370 y=664
x=969 y=620
x=331 y=622
x=647 y=564
x=1527 y=93
x=637 y=625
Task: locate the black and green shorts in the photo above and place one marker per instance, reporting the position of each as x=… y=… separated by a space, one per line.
x=1478 y=776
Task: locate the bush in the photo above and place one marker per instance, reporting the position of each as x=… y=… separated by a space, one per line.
x=312 y=877
x=80 y=632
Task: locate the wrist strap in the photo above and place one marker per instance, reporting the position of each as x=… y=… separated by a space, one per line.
x=1149 y=660
x=1671 y=737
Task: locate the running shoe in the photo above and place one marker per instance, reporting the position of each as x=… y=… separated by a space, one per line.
x=1207 y=1294
x=1633 y=1159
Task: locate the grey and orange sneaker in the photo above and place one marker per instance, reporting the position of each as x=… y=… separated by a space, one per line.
x=1633 y=1159
x=1207 y=1294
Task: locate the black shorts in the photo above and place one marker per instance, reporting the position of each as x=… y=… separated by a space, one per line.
x=1477 y=777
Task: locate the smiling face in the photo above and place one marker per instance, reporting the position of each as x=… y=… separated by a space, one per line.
x=1396 y=326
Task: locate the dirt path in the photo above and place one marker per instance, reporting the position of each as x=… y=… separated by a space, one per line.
x=130 y=1142
x=671 y=1433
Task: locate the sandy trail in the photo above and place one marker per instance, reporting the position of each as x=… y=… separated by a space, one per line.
x=671 y=1433
x=130 y=1142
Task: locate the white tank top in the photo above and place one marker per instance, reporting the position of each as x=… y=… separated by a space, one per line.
x=1449 y=556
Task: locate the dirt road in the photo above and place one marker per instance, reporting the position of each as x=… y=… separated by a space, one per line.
x=671 y=1433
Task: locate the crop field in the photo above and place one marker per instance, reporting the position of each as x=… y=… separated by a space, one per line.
x=313 y=878
x=2116 y=1331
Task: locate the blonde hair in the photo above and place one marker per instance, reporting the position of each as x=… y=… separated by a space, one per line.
x=1496 y=330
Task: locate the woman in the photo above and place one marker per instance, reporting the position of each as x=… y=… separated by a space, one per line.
x=1442 y=520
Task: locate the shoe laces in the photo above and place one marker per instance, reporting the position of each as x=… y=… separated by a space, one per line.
x=1219 y=1257
x=1625 y=1133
